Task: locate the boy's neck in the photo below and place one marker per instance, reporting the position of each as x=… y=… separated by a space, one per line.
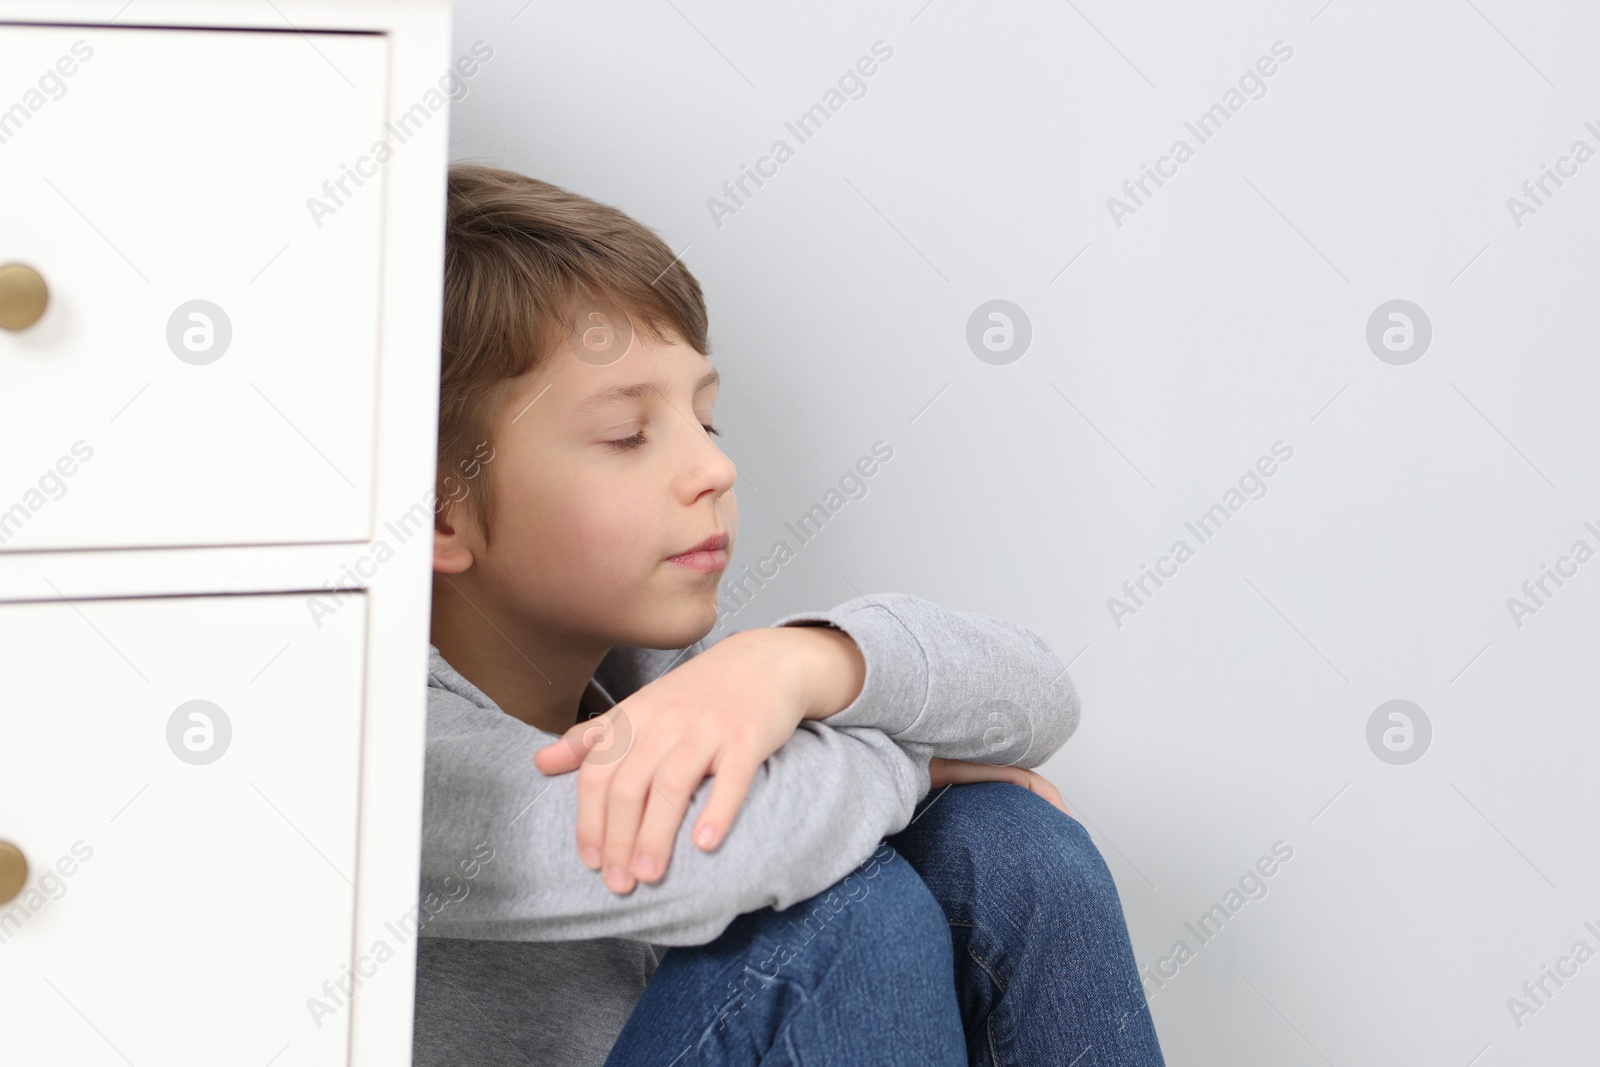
x=530 y=680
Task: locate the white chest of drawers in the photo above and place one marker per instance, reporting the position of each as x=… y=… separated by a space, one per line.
x=221 y=240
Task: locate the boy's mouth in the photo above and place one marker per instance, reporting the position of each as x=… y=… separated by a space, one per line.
x=707 y=556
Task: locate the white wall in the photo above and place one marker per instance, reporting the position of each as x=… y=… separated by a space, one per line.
x=1228 y=312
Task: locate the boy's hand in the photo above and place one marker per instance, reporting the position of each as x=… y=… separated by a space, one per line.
x=722 y=713
x=943 y=772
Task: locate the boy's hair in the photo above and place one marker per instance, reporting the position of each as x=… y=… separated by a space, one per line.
x=522 y=257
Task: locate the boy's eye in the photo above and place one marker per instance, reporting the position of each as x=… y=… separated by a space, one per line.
x=628 y=443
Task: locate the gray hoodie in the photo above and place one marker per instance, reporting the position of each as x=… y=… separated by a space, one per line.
x=527 y=958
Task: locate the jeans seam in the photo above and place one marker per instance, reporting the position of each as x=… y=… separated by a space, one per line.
x=988 y=968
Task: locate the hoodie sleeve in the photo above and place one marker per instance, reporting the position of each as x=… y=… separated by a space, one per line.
x=941 y=682
x=955 y=684
x=499 y=856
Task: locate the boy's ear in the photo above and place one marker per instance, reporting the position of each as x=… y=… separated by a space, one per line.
x=451 y=553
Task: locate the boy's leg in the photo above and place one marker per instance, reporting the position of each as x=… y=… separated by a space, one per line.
x=858 y=974
x=1044 y=968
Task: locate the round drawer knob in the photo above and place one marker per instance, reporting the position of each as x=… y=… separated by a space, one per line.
x=13 y=871
x=23 y=296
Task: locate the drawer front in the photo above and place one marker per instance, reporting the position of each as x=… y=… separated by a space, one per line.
x=204 y=371
x=191 y=869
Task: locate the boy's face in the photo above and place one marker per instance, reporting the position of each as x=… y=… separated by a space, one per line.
x=595 y=491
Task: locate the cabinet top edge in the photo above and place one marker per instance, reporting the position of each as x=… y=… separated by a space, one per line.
x=287 y=16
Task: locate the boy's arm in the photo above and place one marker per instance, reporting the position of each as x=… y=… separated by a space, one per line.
x=817 y=808
x=955 y=684
x=937 y=683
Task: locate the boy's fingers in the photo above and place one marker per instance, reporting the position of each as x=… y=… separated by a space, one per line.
x=942 y=772
x=605 y=738
x=1041 y=785
x=652 y=852
x=625 y=800
x=594 y=782
x=557 y=758
x=606 y=741
x=567 y=754
x=961 y=772
x=728 y=791
x=678 y=777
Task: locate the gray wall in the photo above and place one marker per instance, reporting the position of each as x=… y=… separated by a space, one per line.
x=1175 y=340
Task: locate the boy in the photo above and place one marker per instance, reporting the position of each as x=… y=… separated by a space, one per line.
x=579 y=722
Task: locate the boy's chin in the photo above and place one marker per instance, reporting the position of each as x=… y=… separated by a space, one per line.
x=681 y=621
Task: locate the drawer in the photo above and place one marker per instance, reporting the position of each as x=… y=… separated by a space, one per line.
x=190 y=877
x=205 y=369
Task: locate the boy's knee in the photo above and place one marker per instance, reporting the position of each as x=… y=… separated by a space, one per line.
x=1018 y=837
x=883 y=900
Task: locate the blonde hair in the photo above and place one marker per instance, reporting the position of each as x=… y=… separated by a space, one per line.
x=521 y=257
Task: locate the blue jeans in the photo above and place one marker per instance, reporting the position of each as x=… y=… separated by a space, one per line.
x=987 y=932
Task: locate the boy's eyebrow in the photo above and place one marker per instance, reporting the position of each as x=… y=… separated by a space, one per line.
x=638 y=391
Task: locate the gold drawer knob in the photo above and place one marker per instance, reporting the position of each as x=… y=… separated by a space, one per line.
x=13 y=871
x=23 y=296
